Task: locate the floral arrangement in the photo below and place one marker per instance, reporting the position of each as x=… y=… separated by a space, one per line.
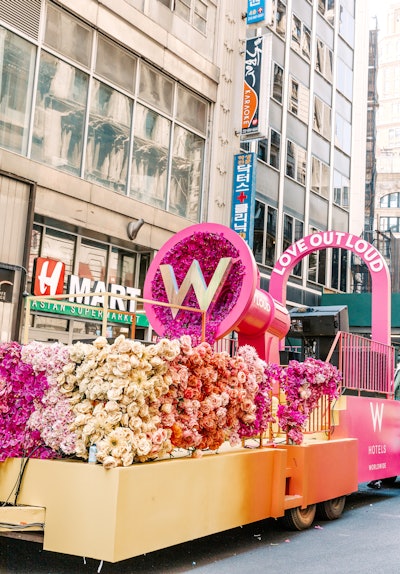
x=20 y=390
x=186 y=322
x=139 y=402
x=304 y=384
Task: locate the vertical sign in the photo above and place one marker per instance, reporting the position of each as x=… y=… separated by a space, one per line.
x=255 y=11
x=243 y=199
x=256 y=87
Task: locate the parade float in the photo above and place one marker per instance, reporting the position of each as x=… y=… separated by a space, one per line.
x=112 y=449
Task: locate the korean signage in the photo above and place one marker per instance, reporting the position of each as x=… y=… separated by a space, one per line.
x=255 y=11
x=243 y=199
x=6 y=285
x=256 y=87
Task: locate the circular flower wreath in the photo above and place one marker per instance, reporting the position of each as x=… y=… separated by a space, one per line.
x=212 y=247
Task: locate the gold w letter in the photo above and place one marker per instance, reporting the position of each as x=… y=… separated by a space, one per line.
x=195 y=278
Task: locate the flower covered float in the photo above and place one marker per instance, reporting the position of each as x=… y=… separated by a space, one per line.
x=141 y=402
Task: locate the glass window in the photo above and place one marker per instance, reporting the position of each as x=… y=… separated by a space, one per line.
x=191 y=110
x=150 y=157
x=296 y=162
x=301 y=38
x=327 y=9
x=92 y=260
x=17 y=61
x=277 y=87
x=322 y=118
x=155 y=88
x=389 y=224
x=275 y=149
x=292 y=232
x=344 y=79
x=59 y=114
x=279 y=19
x=186 y=174
x=194 y=11
x=115 y=64
x=320 y=177
x=317 y=264
x=270 y=240
x=200 y=16
x=60 y=246
x=324 y=60
x=122 y=268
x=296 y=33
x=341 y=189
x=298 y=99
x=343 y=134
x=390 y=200
x=68 y=36
x=264 y=240
x=268 y=150
x=108 y=137
x=259 y=231
x=346 y=25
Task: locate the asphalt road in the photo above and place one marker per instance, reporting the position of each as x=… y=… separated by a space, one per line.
x=364 y=540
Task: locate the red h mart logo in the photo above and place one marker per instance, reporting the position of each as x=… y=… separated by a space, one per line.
x=48 y=277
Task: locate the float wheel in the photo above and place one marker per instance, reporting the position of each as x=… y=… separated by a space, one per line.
x=331 y=509
x=389 y=481
x=299 y=518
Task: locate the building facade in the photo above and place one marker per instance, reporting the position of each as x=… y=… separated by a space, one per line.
x=111 y=113
x=311 y=162
x=387 y=189
x=119 y=112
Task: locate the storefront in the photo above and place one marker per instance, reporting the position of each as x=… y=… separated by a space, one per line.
x=85 y=262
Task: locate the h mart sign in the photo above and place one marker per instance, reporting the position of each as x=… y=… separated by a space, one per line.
x=48 y=279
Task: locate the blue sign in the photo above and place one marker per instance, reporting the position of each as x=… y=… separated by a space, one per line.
x=255 y=11
x=243 y=200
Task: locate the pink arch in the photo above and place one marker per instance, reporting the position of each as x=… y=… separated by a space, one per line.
x=381 y=286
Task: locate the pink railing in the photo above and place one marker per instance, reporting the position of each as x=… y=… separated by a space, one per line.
x=366 y=365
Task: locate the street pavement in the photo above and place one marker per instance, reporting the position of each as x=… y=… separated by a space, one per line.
x=364 y=540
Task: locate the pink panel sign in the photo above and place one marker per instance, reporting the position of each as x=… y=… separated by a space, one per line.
x=376 y=425
x=381 y=290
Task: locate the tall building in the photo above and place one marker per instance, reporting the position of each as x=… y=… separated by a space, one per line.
x=387 y=188
x=113 y=114
x=119 y=124
x=310 y=172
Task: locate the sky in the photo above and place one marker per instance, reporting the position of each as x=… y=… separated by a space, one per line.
x=379 y=9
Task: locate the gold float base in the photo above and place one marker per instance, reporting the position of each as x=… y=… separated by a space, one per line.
x=116 y=514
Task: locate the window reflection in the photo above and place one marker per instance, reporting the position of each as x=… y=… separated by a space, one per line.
x=92 y=262
x=59 y=114
x=17 y=58
x=150 y=157
x=108 y=137
x=186 y=174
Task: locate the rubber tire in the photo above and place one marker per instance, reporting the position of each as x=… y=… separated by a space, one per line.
x=331 y=509
x=299 y=518
x=388 y=482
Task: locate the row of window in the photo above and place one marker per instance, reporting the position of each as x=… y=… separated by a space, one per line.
x=193 y=11
x=298 y=104
x=300 y=32
x=268 y=151
x=390 y=200
x=389 y=224
x=265 y=243
x=109 y=118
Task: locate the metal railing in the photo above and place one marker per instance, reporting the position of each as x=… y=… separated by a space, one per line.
x=367 y=366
